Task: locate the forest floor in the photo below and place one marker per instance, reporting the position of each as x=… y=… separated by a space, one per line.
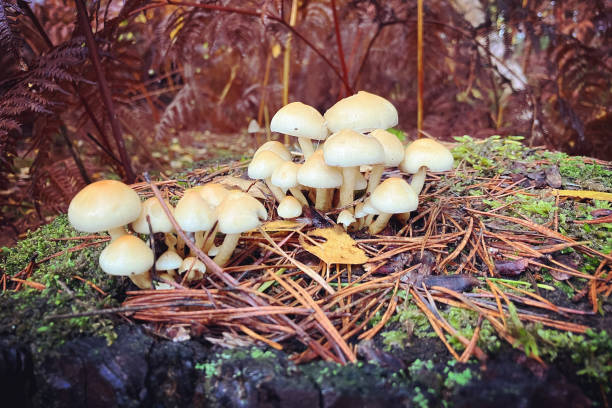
x=497 y=291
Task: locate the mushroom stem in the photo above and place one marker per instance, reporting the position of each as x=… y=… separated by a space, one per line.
x=297 y=193
x=276 y=191
x=210 y=239
x=226 y=249
x=375 y=175
x=199 y=239
x=347 y=189
x=418 y=179
x=143 y=280
x=306 y=146
x=117 y=232
x=381 y=222
x=404 y=217
x=322 y=199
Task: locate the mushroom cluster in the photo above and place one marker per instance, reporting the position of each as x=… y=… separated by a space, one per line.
x=355 y=148
x=354 y=143
x=202 y=212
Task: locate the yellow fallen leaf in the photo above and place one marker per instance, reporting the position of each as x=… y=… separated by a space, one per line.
x=338 y=248
x=595 y=195
x=281 y=225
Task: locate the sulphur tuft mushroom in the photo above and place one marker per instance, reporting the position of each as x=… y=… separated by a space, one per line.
x=128 y=256
x=300 y=120
x=290 y=207
x=423 y=154
x=194 y=267
x=392 y=196
x=349 y=150
x=362 y=112
x=106 y=205
x=261 y=168
x=394 y=153
x=238 y=213
x=317 y=174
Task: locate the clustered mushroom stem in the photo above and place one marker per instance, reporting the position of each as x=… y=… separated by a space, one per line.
x=210 y=240
x=306 y=146
x=226 y=249
x=117 y=232
x=418 y=179
x=375 y=176
x=297 y=193
x=347 y=189
x=276 y=191
x=199 y=239
x=322 y=201
x=381 y=222
x=143 y=280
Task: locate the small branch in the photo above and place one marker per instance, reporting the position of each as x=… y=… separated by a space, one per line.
x=104 y=89
x=75 y=156
x=340 y=51
x=126 y=309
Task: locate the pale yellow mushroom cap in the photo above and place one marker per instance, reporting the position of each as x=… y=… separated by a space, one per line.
x=346 y=218
x=348 y=148
x=193 y=213
x=168 y=260
x=126 y=255
x=317 y=174
x=429 y=153
x=275 y=147
x=301 y=120
x=393 y=148
x=103 y=205
x=193 y=264
x=240 y=212
x=285 y=175
x=212 y=193
x=262 y=165
x=159 y=220
x=393 y=196
x=362 y=112
x=289 y=207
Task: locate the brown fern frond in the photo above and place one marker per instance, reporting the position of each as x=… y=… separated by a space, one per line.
x=11 y=41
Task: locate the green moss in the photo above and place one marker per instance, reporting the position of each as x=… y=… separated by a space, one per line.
x=24 y=315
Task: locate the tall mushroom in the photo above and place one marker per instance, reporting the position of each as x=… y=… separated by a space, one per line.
x=349 y=150
x=261 y=168
x=238 y=213
x=275 y=147
x=303 y=121
x=317 y=174
x=106 y=205
x=285 y=178
x=193 y=214
x=394 y=153
x=423 y=154
x=362 y=112
x=392 y=196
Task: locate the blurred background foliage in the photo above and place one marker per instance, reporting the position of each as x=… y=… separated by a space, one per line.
x=187 y=79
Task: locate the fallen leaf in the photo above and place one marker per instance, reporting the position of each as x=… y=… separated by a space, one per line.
x=458 y=283
x=594 y=195
x=511 y=268
x=281 y=225
x=553 y=177
x=255 y=188
x=338 y=248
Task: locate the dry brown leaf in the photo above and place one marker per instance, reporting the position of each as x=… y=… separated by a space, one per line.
x=255 y=188
x=338 y=248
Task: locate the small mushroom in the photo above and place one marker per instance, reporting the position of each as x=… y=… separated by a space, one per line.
x=274 y=147
x=194 y=215
x=392 y=196
x=303 y=121
x=128 y=256
x=261 y=168
x=285 y=178
x=238 y=213
x=423 y=154
x=194 y=267
x=290 y=207
x=346 y=218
